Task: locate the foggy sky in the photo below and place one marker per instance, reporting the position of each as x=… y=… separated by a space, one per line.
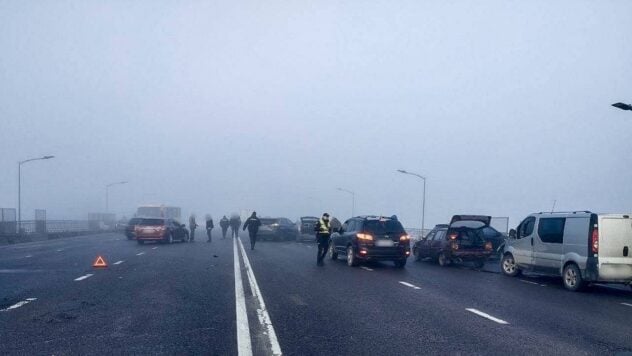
x=217 y=106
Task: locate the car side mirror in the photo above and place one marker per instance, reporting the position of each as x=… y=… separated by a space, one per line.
x=512 y=234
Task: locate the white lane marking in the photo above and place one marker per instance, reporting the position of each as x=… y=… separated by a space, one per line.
x=487 y=316
x=264 y=317
x=409 y=285
x=118 y=262
x=19 y=304
x=59 y=250
x=530 y=282
x=366 y=268
x=626 y=304
x=140 y=254
x=84 y=277
x=244 y=347
x=28 y=256
x=153 y=248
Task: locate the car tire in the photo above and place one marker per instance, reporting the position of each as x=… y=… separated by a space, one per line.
x=479 y=263
x=332 y=252
x=169 y=239
x=140 y=242
x=416 y=254
x=508 y=266
x=443 y=260
x=352 y=261
x=400 y=263
x=572 y=278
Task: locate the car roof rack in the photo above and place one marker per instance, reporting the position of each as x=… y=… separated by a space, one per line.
x=565 y=212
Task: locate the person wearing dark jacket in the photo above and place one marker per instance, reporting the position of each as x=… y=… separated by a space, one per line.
x=209 y=227
x=323 y=233
x=224 y=224
x=252 y=223
x=235 y=223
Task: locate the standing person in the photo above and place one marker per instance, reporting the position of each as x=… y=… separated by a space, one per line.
x=224 y=224
x=323 y=233
x=252 y=223
x=209 y=227
x=192 y=226
x=235 y=223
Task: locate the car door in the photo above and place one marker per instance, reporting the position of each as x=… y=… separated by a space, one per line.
x=339 y=237
x=423 y=245
x=437 y=243
x=548 y=245
x=522 y=245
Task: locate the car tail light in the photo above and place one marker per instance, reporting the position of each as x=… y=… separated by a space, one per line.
x=364 y=237
x=453 y=236
x=488 y=246
x=454 y=245
x=404 y=238
x=594 y=240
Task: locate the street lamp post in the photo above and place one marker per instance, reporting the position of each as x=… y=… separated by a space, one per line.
x=423 y=201
x=352 y=199
x=107 y=194
x=20 y=187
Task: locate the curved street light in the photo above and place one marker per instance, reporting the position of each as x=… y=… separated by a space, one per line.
x=622 y=106
x=423 y=201
x=20 y=163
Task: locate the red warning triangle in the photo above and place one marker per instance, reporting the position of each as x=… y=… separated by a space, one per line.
x=99 y=262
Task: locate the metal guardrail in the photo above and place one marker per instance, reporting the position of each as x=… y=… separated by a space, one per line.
x=51 y=227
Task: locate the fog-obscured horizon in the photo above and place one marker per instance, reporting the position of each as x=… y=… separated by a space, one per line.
x=226 y=106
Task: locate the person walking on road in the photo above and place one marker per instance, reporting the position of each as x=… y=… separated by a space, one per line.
x=252 y=223
x=209 y=227
x=235 y=223
x=323 y=233
x=224 y=224
x=192 y=226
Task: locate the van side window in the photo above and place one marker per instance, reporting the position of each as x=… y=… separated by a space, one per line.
x=440 y=236
x=526 y=227
x=551 y=230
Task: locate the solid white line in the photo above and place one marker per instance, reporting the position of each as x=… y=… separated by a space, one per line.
x=19 y=304
x=537 y=284
x=626 y=304
x=366 y=268
x=487 y=316
x=84 y=277
x=140 y=254
x=244 y=346
x=264 y=317
x=153 y=248
x=118 y=262
x=409 y=285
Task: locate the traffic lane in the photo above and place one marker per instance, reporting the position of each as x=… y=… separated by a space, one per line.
x=177 y=299
x=595 y=321
x=21 y=278
x=32 y=249
x=343 y=310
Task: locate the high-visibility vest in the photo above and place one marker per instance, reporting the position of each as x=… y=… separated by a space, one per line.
x=324 y=227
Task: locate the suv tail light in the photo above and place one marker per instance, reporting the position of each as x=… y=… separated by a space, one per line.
x=488 y=246
x=594 y=240
x=404 y=238
x=364 y=237
x=453 y=236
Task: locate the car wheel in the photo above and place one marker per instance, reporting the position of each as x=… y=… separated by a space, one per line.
x=169 y=239
x=140 y=242
x=400 y=263
x=479 y=263
x=416 y=254
x=573 y=280
x=332 y=252
x=508 y=266
x=443 y=260
x=352 y=261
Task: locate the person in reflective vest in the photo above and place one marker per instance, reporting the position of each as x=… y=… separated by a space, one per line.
x=323 y=233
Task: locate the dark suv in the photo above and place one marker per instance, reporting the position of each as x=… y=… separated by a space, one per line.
x=464 y=239
x=130 y=228
x=277 y=229
x=371 y=238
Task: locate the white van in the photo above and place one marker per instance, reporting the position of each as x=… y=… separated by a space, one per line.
x=581 y=247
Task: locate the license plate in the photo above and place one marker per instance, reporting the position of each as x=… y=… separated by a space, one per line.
x=384 y=243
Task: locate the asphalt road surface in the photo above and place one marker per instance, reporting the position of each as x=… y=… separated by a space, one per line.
x=211 y=298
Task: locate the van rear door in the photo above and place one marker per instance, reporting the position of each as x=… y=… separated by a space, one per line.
x=615 y=247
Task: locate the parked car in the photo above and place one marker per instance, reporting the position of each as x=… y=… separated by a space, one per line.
x=306 y=225
x=460 y=241
x=581 y=247
x=160 y=230
x=130 y=228
x=277 y=229
x=371 y=238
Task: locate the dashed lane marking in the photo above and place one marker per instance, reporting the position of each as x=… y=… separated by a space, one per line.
x=409 y=285
x=118 y=262
x=530 y=282
x=367 y=269
x=59 y=250
x=627 y=304
x=140 y=254
x=153 y=248
x=19 y=304
x=28 y=256
x=84 y=277
x=486 y=316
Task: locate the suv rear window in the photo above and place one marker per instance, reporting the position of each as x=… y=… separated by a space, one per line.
x=379 y=227
x=469 y=224
x=151 y=222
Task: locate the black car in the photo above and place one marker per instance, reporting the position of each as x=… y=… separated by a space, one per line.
x=371 y=238
x=306 y=228
x=277 y=229
x=131 y=227
x=464 y=239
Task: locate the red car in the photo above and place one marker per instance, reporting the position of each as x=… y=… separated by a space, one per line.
x=160 y=230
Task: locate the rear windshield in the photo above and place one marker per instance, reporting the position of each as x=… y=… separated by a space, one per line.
x=151 y=222
x=269 y=221
x=379 y=227
x=468 y=223
x=309 y=220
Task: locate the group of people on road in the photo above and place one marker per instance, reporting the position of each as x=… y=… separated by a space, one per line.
x=322 y=229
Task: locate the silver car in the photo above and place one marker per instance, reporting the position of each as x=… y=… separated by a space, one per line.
x=581 y=247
